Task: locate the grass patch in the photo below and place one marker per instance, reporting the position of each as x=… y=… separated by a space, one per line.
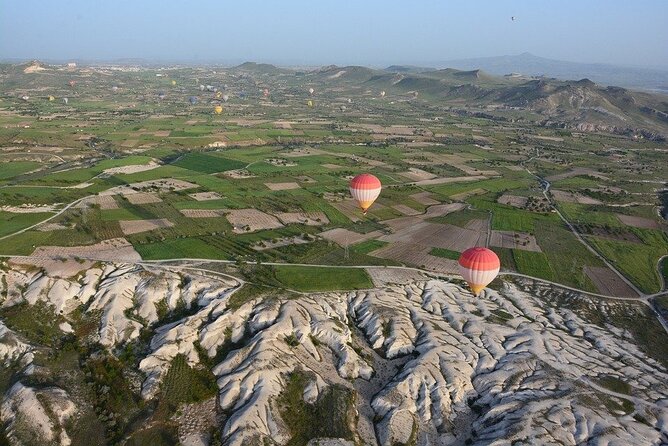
x=534 y=264
x=368 y=246
x=304 y=278
x=461 y=218
x=566 y=255
x=637 y=261
x=201 y=162
x=11 y=222
x=445 y=253
x=16 y=168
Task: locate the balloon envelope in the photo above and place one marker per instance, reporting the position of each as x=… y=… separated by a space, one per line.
x=218 y=109
x=311 y=90
x=266 y=92
x=225 y=97
x=365 y=188
x=382 y=94
x=173 y=82
x=193 y=100
x=51 y=99
x=310 y=103
x=479 y=266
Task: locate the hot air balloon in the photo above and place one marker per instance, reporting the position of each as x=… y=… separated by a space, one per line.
x=311 y=91
x=310 y=103
x=25 y=97
x=365 y=188
x=161 y=95
x=72 y=83
x=193 y=100
x=225 y=97
x=51 y=99
x=114 y=88
x=479 y=266
x=66 y=100
x=382 y=94
x=202 y=88
x=219 y=95
x=218 y=109
x=173 y=82
x=266 y=92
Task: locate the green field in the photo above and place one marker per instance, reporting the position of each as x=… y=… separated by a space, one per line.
x=636 y=261
x=10 y=222
x=201 y=162
x=13 y=169
x=445 y=253
x=308 y=279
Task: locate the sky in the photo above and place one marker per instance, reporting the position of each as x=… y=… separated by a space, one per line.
x=319 y=32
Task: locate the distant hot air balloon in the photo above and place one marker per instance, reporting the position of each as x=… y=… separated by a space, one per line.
x=310 y=103
x=218 y=109
x=311 y=91
x=66 y=100
x=343 y=108
x=219 y=95
x=173 y=82
x=25 y=97
x=266 y=92
x=350 y=101
x=202 y=88
x=193 y=100
x=382 y=94
x=225 y=97
x=114 y=88
x=365 y=188
x=51 y=99
x=72 y=83
x=479 y=266
x=161 y=95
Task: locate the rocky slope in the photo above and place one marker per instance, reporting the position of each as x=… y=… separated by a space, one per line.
x=413 y=363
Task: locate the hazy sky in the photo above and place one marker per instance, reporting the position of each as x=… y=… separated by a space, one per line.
x=367 y=32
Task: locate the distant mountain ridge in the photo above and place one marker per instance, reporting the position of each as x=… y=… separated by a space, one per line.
x=531 y=65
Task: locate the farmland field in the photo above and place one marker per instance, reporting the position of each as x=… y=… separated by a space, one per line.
x=267 y=179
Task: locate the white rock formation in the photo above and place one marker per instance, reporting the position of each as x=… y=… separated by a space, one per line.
x=522 y=365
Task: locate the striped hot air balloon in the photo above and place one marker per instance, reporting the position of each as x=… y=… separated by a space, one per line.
x=479 y=266
x=365 y=188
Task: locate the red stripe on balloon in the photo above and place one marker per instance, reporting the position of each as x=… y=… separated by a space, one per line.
x=480 y=259
x=365 y=181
